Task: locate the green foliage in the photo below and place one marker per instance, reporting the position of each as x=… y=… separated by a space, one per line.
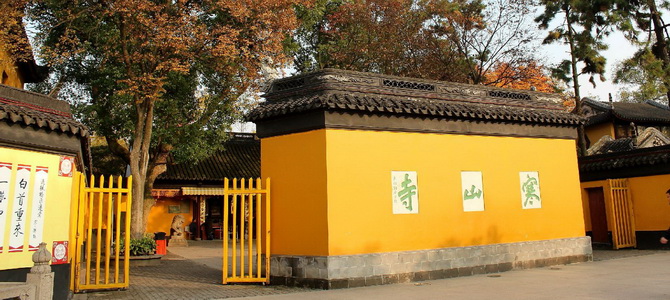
x=648 y=71
x=583 y=28
x=142 y=246
x=644 y=75
x=106 y=163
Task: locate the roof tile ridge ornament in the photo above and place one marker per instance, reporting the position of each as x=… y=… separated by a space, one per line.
x=651 y=137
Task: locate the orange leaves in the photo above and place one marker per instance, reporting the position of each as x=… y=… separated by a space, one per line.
x=524 y=77
x=151 y=39
x=13 y=39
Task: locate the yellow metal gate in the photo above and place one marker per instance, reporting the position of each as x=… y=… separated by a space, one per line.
x=620 y=214
x=101 y=217
x=246 y=235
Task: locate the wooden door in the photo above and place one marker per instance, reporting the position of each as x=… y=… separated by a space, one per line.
x=598 y=216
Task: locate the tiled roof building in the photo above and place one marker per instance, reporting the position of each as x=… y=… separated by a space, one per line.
x=622 y=119
x=239 y=159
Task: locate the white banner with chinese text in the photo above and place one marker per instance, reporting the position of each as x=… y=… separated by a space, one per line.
x=18 y=225
x=5 y=177
x=473 y=191
x=38 y=207
x=405 y=192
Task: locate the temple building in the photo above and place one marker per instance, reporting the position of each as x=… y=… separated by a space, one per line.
x=626 y=172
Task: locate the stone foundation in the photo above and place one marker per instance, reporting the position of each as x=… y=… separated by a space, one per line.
x=333 y=272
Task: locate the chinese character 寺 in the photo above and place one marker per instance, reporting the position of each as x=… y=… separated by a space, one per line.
x=407 y=192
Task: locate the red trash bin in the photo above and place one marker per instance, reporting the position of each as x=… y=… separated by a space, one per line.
x=160 y=247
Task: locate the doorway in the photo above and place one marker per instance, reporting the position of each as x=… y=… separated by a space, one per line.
x=598 y=214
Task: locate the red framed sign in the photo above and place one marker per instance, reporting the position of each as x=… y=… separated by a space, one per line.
x=60 y=253
x=66 y=166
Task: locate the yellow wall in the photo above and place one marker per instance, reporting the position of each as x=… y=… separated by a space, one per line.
x=296 y=164
x=651 y=208
x=57 y=210
x=594 y=133
x=9 y=68
x=652 y=211
x=160 y=219
x=359 y=206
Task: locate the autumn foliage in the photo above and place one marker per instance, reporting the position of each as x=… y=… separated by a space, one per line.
x=399 y=37
x=527 y=77
x=163 y=77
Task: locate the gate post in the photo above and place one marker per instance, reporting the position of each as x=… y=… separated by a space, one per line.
x=40 y=275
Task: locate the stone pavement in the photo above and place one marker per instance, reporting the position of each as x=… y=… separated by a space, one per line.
x=195 y=273
x=198 y=277
x=633 y=275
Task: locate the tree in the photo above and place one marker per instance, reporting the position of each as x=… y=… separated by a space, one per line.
x=645 y=74
x=458 y=41
x=501 y=39
x=632 y=18
x=399 y=37
x=162 y=77
x=13 y=39
x=531 y=76
x=582 y=29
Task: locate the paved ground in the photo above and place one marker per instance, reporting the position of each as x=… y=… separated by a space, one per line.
x=195 y=273
x=198 y=277
x=635 y=277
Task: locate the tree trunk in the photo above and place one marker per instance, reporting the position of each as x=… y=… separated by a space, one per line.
x=581 y=138
x=661 y=50
x=139 y=165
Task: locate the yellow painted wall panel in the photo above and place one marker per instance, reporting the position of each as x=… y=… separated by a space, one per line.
x=296 y=164
x=652 y=211
x=160 y=219
x=360 y=218
x=57 y=207
x=594 y=133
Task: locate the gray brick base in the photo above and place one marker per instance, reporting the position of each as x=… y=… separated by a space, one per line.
x=333 y=272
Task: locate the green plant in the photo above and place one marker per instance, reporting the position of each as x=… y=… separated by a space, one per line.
x=142 y=246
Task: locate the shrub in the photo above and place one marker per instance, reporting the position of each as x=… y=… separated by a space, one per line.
x=142 y=246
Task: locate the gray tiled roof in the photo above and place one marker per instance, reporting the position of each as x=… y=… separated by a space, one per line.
x=640 y=112
x=337 y=90
x=37 y=110
x=628 y=159
x=425 y=107
x=646 y=112
x=618 y=145
x=240 y=158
